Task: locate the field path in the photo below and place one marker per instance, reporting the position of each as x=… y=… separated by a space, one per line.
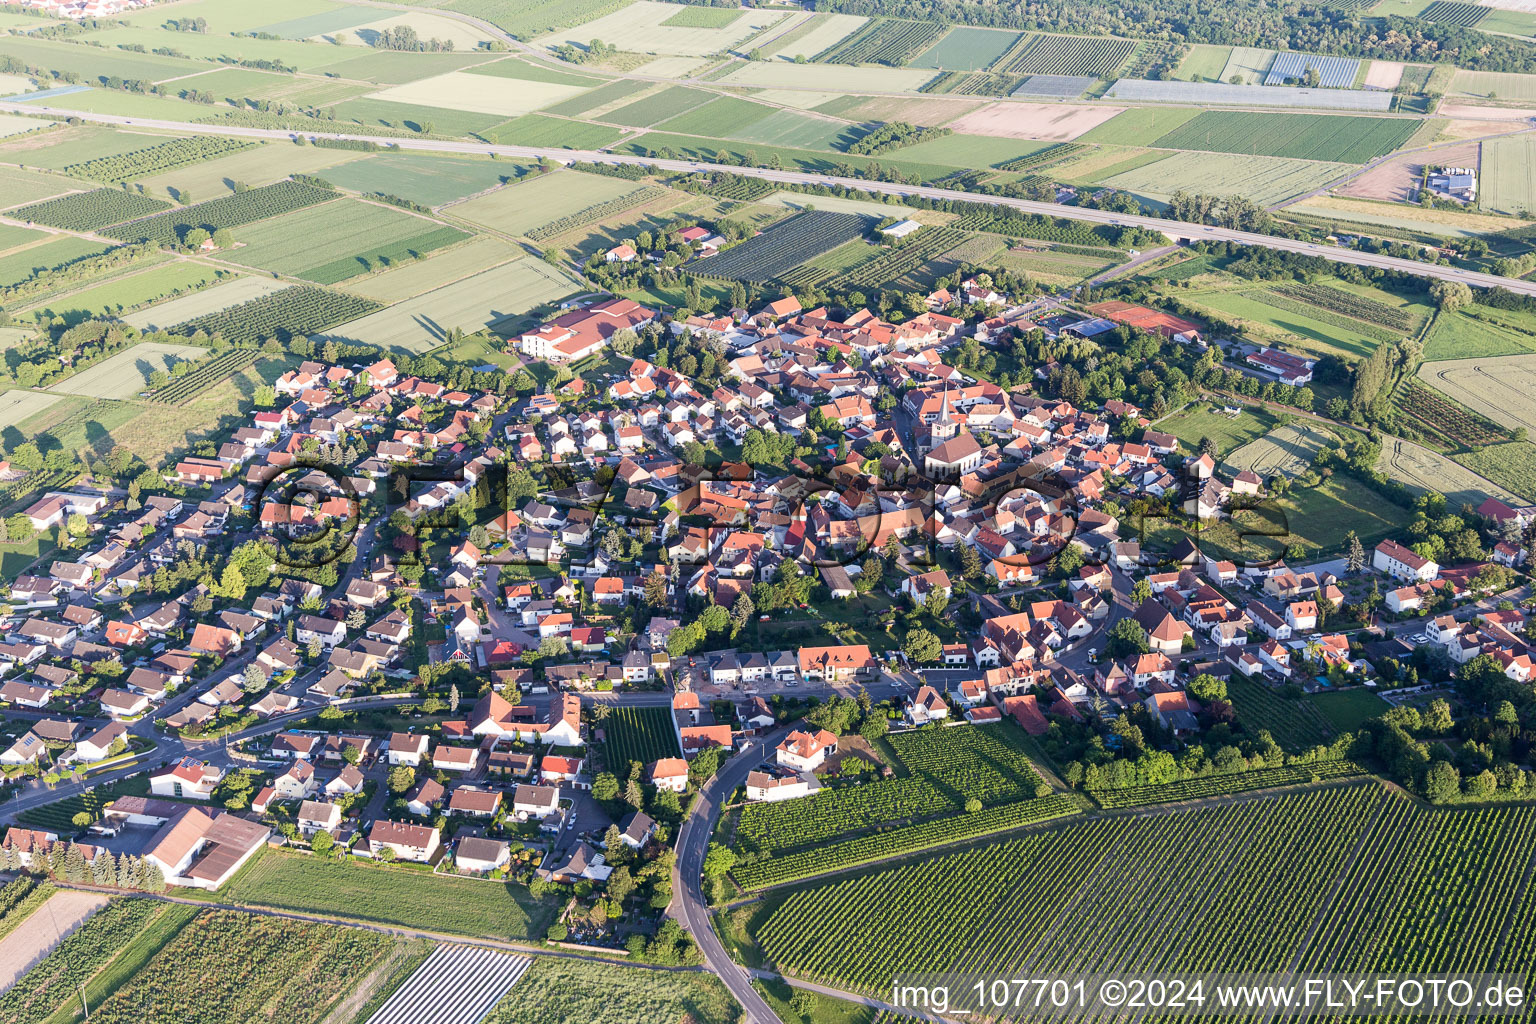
x=49 y=925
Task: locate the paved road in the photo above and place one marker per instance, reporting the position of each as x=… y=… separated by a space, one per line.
x=688 y=905
x=1173 y=229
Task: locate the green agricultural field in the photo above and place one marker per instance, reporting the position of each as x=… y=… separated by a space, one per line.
x=90 y=62
x=126 y=373
x=1139 y=126
x=1511 y=465
x=202 y=303
x=616 y=91
x=971 y=150
x=236 y=84
x=389 y=67
x=351 y=237
x=965 y=49
x=669 y=102
x=1494 y=85
x=20 y=186
x=1509 y=176
x=637 y=734
x=470 y=304
x=1478 y=332
x=20 y=265
x=58 y=149
x=537 y=201
x=556 y=991
x=127 y=292
x=802 y=131
x=1203 y=64
x=419 y=117
x=551 y=133
x=1320 y=332
x=1422 y=469
x=436 y=270
x=390 y=896
x=1334 y=137
x=720 y=117
x=1287 y=451
x=253 y=167
x=1265 y=180
x=1250 y=63
x=1203 y=419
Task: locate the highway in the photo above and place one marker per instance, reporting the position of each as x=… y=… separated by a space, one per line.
x=1176 y=230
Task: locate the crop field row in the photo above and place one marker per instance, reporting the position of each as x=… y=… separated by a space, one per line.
x=1441 y=417
x=1334 y=137
x=1111 y=895
x=188 y=386
x=889 y=265
x=385 y=255
x=820 y=860
x=888 y=41
x=595 y=212
x=87 y=211
x=1241 y=782
x=1511 y=465
x=1093 y=57
x=88 y=949
x=638 y=734
x=1499 y=388
x=1287 y=451
x=1422 y=469
x=948 y=767
x=165 y=156
x=1049 y=155
x=1453 y=12
x=298 y=310
x=785 y=245
x=1356 y=307
x=227 y=212
x=303 y=968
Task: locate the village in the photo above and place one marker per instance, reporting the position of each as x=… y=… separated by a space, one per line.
x=539 y=625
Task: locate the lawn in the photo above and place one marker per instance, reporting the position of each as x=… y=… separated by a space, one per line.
x=390 y=896
x=1316 y=519
x=1201 y=419
x=556 y=991
x=541 y=200
x=470 y=304
x=348 y=237
x=132 y=290
x=1348 y=710
x=126 y=373
x=1480 y=332
x=1511 y=465
x=1203 y=64
x=1295 y=330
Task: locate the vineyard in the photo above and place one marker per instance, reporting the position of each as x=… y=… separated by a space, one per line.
x=1294 y=724
x=230 y=966
x=1357 y=307
x=91 y=947
x=203 y=376
x=818 y=860
x=1452 y=12
x=785 y=245
x=884 y=41
x=1348 y=879
x=1217 y=785
x=637 y=734
x=228 y=212
x=595 y=212
x=20 y=897
x=292 y=311
x=948 y=767
x=890 y=265
x=1049 y=155
x=1441 y=417
x=87 y=211
x=972 y=83
x=167 y=156
x=1095 y=57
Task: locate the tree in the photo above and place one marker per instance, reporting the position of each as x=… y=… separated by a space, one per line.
x=254 y=679
x=621 y=884
x=1354 y=553
x=1141 y=592
x=401 y=778
x=453 y=699
x=321 y=842
x=972 y=805
x=1450 y=295
x=1125 y=637
x=1442 y=783
x=82 y=819
x=1206 y=688
x=718 y=861
x=605 y=788
x=922 y=646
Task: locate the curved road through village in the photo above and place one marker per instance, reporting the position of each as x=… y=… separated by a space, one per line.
x=1172 y=228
